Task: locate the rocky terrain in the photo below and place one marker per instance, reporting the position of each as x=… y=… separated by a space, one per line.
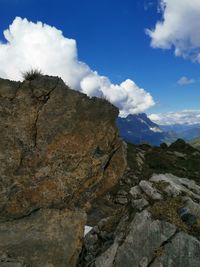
x=63 y=166
x=151 y=218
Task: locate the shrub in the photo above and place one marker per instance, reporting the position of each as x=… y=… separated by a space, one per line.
x=31 y=74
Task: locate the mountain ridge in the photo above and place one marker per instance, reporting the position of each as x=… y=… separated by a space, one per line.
x=138 y=129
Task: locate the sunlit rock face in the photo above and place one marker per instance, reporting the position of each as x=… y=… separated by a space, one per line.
x=59 y=150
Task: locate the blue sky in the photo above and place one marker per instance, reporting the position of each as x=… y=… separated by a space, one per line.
x=111 y=39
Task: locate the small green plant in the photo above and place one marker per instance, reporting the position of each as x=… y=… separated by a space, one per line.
x=31 y=74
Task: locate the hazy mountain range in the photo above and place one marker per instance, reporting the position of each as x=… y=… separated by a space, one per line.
x=185 y=131
x=139 y=129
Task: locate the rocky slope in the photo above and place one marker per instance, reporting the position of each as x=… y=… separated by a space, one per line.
x=59 y=150
x=150 y=219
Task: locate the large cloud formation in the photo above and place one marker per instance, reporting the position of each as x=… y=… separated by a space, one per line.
x=179 y=28
x=182 y=117
x=37 y=45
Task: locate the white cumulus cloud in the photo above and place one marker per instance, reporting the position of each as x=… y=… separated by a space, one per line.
x=37 y=45
x=179 y=28
x=185 y=81
x=181 y=117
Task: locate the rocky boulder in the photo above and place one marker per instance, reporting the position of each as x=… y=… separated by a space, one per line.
x=58 y=150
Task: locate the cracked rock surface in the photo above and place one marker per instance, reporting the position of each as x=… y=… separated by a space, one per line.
x=58 y=149
x=46 y=238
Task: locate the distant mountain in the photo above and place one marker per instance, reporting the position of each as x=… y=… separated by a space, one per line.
x=138 y=129
x=185 y=131
x=195 y=143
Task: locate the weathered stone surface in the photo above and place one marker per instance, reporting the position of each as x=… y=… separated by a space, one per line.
x=149 y=190
x=46 y=238
x=140 y=204
x=145 y=236
x=191 y=205
x=175 y=186
x=183 y=251
x=136 y=192
x=58 y=148
x=108 y=257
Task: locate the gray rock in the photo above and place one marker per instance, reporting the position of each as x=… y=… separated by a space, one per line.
x=177 y=186
x=140 y=160
x=191 y=205
x=149 y=190
x=182 y=251
x=120 y=199
x=136 y=192
x=180 y=155
x=144 y=237
x=187 y=216
x=140 y=204
x=107 y=258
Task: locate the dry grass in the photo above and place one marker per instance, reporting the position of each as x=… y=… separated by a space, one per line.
x=31 y=74
x=167 y=210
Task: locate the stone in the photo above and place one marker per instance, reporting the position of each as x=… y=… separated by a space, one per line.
x=181 y=251
x=106 y=259
x=144 y=237
x=45 y=238
x=187 y=216
x=136 y=192
x=180 y=155
x=176 y=186
x=149 y=190
x=122 y=200
x=140 y=204
x=121 y=197
x=192 y=206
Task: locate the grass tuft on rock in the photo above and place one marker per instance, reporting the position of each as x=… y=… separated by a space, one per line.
x=32 y=74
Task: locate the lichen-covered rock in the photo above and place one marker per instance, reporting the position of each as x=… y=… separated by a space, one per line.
x=46 y=238
x=58 y=148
